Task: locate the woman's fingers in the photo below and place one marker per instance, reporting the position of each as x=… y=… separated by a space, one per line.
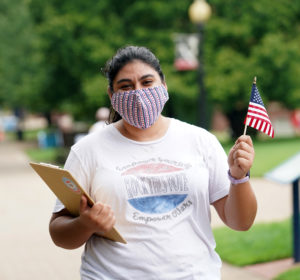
x=83 y=203
x=99 y=217
x=241 y=156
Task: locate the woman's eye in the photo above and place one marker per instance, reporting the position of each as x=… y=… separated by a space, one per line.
x=125 y=87
x=148 y=82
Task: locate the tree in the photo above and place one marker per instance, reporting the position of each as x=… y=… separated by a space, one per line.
x=20 y=73
x=243 y=40
x=78 y=38
x=247 y=39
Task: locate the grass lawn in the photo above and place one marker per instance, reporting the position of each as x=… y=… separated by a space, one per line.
x=262 y=243
x=270 y=153
x=42 y=155
x=292 y=274
x=49 y=155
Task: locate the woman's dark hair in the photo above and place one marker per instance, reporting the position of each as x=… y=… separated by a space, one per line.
x=120 y=59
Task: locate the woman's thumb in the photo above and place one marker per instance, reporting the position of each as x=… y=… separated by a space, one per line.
x=83 y=203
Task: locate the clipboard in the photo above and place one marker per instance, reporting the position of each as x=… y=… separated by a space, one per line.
x=69 y=192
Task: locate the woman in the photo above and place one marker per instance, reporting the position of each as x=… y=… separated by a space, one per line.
x=154 y=178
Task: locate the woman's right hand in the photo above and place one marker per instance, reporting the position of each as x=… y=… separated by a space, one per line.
x=99 y=218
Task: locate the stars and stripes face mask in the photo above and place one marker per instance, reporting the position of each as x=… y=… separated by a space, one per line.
x=140 y=107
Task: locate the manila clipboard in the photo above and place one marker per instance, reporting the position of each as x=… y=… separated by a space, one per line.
x=68 y=191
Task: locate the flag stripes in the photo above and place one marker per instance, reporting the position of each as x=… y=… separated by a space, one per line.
x=257 y=116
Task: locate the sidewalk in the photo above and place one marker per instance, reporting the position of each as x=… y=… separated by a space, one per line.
x=27 y=252
x=25 y=207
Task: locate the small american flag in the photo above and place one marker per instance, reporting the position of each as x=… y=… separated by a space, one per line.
x=257 y=116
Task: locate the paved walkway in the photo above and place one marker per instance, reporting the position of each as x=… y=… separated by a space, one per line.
x=27 y=251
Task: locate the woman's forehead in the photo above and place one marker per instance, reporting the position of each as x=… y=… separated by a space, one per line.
x=135 y=69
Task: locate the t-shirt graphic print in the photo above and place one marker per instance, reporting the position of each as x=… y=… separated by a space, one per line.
x=156 y=187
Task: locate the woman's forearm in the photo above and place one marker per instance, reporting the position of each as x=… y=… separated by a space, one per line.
x=68 y=232
x=240 y=207
x=72 y=232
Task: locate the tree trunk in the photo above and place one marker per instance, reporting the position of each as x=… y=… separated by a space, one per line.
x=236 y=118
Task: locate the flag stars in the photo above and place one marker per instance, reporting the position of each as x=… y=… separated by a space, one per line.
x=255 y=97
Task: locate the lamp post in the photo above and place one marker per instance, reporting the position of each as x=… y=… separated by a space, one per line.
x=199 y=13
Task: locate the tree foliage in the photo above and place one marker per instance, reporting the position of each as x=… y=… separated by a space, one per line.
x=21 y=76
x=59 y=48
x=247 y=39
x=251 y=38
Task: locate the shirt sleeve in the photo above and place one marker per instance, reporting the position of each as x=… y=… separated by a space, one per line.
x=73 y=165
x=58 y=206
x=219 y=183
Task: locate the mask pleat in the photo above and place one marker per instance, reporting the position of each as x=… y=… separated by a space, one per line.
x=141 y=107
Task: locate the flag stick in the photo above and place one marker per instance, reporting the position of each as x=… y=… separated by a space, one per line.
x=245 y=129
x=254 y=80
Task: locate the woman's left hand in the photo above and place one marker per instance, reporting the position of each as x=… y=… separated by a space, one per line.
x=241 y=156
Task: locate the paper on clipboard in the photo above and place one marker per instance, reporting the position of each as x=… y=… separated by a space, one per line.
x=68 y=191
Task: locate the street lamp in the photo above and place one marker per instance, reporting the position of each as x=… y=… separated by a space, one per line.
x=199 y=13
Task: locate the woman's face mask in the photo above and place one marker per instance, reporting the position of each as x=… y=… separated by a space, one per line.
x=140 y=107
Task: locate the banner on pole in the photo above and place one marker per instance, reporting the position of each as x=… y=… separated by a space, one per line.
x=186 y=51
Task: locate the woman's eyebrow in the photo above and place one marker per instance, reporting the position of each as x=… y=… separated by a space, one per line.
x=141 y=78
x=146 y=76
x=123 y=80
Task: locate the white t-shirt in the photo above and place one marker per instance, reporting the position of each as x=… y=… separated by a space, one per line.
x=96 y=126
x=161 y=193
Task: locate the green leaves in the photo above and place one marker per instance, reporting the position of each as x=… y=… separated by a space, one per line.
x=20 y=57
x=244 y=40
x=51 y=52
